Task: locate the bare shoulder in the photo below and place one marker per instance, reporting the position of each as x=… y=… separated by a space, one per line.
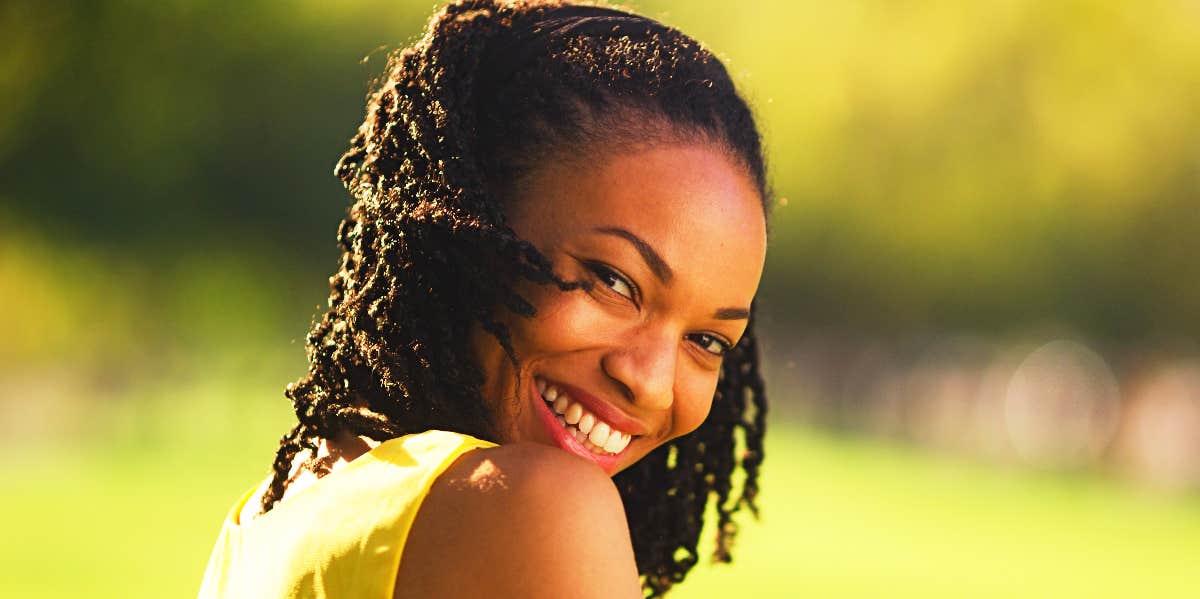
x=520 y=520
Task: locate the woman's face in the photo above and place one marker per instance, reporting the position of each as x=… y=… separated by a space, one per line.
x=671 y=239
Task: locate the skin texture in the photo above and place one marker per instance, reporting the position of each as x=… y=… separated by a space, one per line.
x=527 y=518
x=520 y=520
x=647 y=357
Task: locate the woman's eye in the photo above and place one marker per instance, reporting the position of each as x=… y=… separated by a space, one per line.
x=711 y=343
x=614 y=281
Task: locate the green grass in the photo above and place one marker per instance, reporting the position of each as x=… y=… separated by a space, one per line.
x=853 y=518
x=135 y=517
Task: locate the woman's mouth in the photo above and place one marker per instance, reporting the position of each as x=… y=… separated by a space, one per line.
x=597 y=437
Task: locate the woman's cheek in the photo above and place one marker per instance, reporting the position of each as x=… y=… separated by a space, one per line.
x=693 y=400
x=569 y=321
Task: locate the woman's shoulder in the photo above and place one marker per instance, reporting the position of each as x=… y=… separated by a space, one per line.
x=520 y=519
x=527 y=468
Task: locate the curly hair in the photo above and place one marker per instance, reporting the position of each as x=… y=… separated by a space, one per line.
x=463 y=116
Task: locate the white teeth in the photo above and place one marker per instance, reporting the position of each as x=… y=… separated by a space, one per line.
x=573 y=413
x=594 y=434
x=586 y=422
x=616 y=442
x=599 y=434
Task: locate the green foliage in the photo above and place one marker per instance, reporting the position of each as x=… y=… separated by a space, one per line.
x=173 y=124
x=978 y=165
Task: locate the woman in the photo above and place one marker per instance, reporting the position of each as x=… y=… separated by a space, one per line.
x=540 y=334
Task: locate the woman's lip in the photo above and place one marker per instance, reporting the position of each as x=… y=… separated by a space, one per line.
x=567 y=442
x=602 y=410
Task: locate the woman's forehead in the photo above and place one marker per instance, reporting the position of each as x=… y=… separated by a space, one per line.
x=695 y=207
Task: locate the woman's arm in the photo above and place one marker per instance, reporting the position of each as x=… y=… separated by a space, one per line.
x=520 y=520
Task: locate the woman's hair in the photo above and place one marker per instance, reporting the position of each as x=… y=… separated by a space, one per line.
x=489 y=93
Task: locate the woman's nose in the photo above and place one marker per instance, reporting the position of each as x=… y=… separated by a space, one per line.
x=644 y=368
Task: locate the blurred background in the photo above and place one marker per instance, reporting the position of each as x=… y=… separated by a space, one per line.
x=982 y=305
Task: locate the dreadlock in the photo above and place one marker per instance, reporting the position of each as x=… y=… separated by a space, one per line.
x=491 y=91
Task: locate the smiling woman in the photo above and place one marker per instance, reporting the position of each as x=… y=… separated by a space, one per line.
x=670 y=240
x=538 y=369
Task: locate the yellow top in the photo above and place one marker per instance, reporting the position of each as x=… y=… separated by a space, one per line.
x=343 y=535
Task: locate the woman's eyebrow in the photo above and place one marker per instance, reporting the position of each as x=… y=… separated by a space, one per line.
x=661 y=270
x=657 y=265
x=731 y=314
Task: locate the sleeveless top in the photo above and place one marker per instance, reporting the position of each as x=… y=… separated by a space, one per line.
x=342 y=536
